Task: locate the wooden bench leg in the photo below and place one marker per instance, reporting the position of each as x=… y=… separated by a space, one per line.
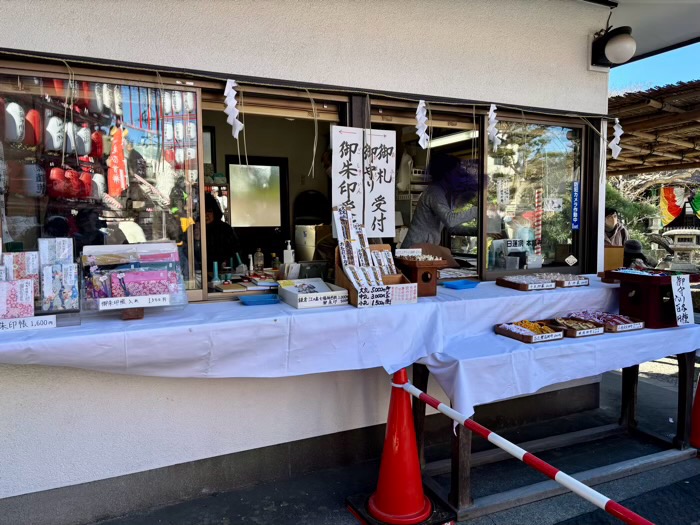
x=460 y=476
x=630 y=381
x=686 y=368
x=420 y=381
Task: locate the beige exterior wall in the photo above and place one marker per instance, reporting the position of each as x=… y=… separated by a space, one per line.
x=527 y=52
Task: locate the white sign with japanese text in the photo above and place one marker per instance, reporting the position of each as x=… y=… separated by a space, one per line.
x=682 y=300
x=141 y=301
x=364 y=176
x=380 y=182
x=346 y=175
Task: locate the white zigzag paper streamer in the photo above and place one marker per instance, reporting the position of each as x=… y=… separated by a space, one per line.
x=231 y=109
x=422 y=124
x=492 y=128
x=614 y=144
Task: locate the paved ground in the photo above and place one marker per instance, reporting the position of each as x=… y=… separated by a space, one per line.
x=667 y=496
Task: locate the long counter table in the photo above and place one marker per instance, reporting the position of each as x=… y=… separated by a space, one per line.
x=232 y=340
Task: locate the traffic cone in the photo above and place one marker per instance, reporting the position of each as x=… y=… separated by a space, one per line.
x=695 y=420
x=399 y=498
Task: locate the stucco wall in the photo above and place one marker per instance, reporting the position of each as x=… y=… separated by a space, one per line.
x=529 y=52
x=61 y=426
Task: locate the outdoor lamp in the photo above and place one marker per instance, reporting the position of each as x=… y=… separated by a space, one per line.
x=613 y=46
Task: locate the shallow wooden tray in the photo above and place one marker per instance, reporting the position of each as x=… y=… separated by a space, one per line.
x=538 y=338
x=549 y=285
x=573 y=283
x=571 y=332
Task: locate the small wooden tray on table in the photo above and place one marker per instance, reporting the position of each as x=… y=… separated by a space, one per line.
x=535 y=338
x=526 y=287
x=573 y=283
x=573 y=332
x=636 y=324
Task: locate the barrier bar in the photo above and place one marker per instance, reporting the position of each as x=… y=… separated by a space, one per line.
x=599 y=500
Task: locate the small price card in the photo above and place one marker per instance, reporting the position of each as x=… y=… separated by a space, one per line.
x=141 y=301
x=28 y=323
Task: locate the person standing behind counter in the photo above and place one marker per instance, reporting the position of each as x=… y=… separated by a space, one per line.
x=222 y=241
x=454 y=184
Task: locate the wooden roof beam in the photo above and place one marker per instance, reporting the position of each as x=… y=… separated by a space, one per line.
x=645 y=151
x=649 y=169
x=663 y=139
x=657 y=122
x=650 y=103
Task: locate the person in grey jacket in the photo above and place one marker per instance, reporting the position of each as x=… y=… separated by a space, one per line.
x=454 y=184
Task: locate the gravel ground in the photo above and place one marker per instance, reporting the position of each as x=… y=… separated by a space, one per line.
x=664 y=372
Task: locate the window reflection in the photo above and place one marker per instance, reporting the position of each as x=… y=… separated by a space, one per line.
x=101 y=163
x=532 y=178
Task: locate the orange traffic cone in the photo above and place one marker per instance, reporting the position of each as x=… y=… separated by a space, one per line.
x=399 y=499
x=695 y=420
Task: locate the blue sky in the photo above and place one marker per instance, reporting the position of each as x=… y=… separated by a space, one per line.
x=667 y=68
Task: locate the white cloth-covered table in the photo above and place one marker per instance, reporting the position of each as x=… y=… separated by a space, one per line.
x=228 y=339
x=477 y=370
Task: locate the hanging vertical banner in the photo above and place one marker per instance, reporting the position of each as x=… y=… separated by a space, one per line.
x=682 y=300
x=380 y=174
x=346 y=174
x=576 y=205
x=363 y=176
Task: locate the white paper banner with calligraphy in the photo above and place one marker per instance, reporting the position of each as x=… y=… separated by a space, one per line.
x=380 y=181
x=682 y=299
x=346 y=177
x=364 y=176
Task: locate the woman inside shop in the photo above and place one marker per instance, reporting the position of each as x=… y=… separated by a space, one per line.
x=222 y=241
x=443 y=204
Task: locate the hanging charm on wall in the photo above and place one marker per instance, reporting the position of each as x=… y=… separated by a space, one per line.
x=422 y=124
x=492 y=128
x=614 y=144
x=231 y=109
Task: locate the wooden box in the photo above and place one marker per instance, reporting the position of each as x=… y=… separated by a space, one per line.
x=396 y=290
x=423 y=273
x=648 y=298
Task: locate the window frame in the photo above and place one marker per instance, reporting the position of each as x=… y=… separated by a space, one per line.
x=48 y=71
x=578 y=236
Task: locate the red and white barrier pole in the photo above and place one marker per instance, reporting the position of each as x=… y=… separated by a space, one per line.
x=575 y=486
x=538 y=222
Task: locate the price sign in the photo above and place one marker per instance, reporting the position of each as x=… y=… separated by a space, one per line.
x=142 y=301
x=28 y=323
x=541 y=286
x=546 y=337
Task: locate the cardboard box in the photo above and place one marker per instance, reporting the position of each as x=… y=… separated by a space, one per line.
x=396 y=290
x=614 y=257
x=336 y=297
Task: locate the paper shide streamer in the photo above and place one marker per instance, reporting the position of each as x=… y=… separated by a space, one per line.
x=422 y=124
x=492 y=128
x=231 y=109
x=614 y=144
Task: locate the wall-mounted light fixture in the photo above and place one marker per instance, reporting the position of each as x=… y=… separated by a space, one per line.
x=613 y=46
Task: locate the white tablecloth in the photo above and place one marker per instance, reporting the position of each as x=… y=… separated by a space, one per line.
x=228 y=339
x=486 y=368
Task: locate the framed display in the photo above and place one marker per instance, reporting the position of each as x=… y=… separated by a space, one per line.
x=209 y=146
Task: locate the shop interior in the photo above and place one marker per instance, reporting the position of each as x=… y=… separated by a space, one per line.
x=273 y=183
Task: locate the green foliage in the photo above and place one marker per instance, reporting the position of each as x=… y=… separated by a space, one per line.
x=632 y=214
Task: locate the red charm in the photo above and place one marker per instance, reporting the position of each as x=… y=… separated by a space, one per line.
x=57 y=183
x=33 y=129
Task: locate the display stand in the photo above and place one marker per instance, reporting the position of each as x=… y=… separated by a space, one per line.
x=133 y=314
x=397 y=288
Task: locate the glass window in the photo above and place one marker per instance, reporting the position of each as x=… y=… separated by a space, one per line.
x=100 y=163
x=533 y=196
